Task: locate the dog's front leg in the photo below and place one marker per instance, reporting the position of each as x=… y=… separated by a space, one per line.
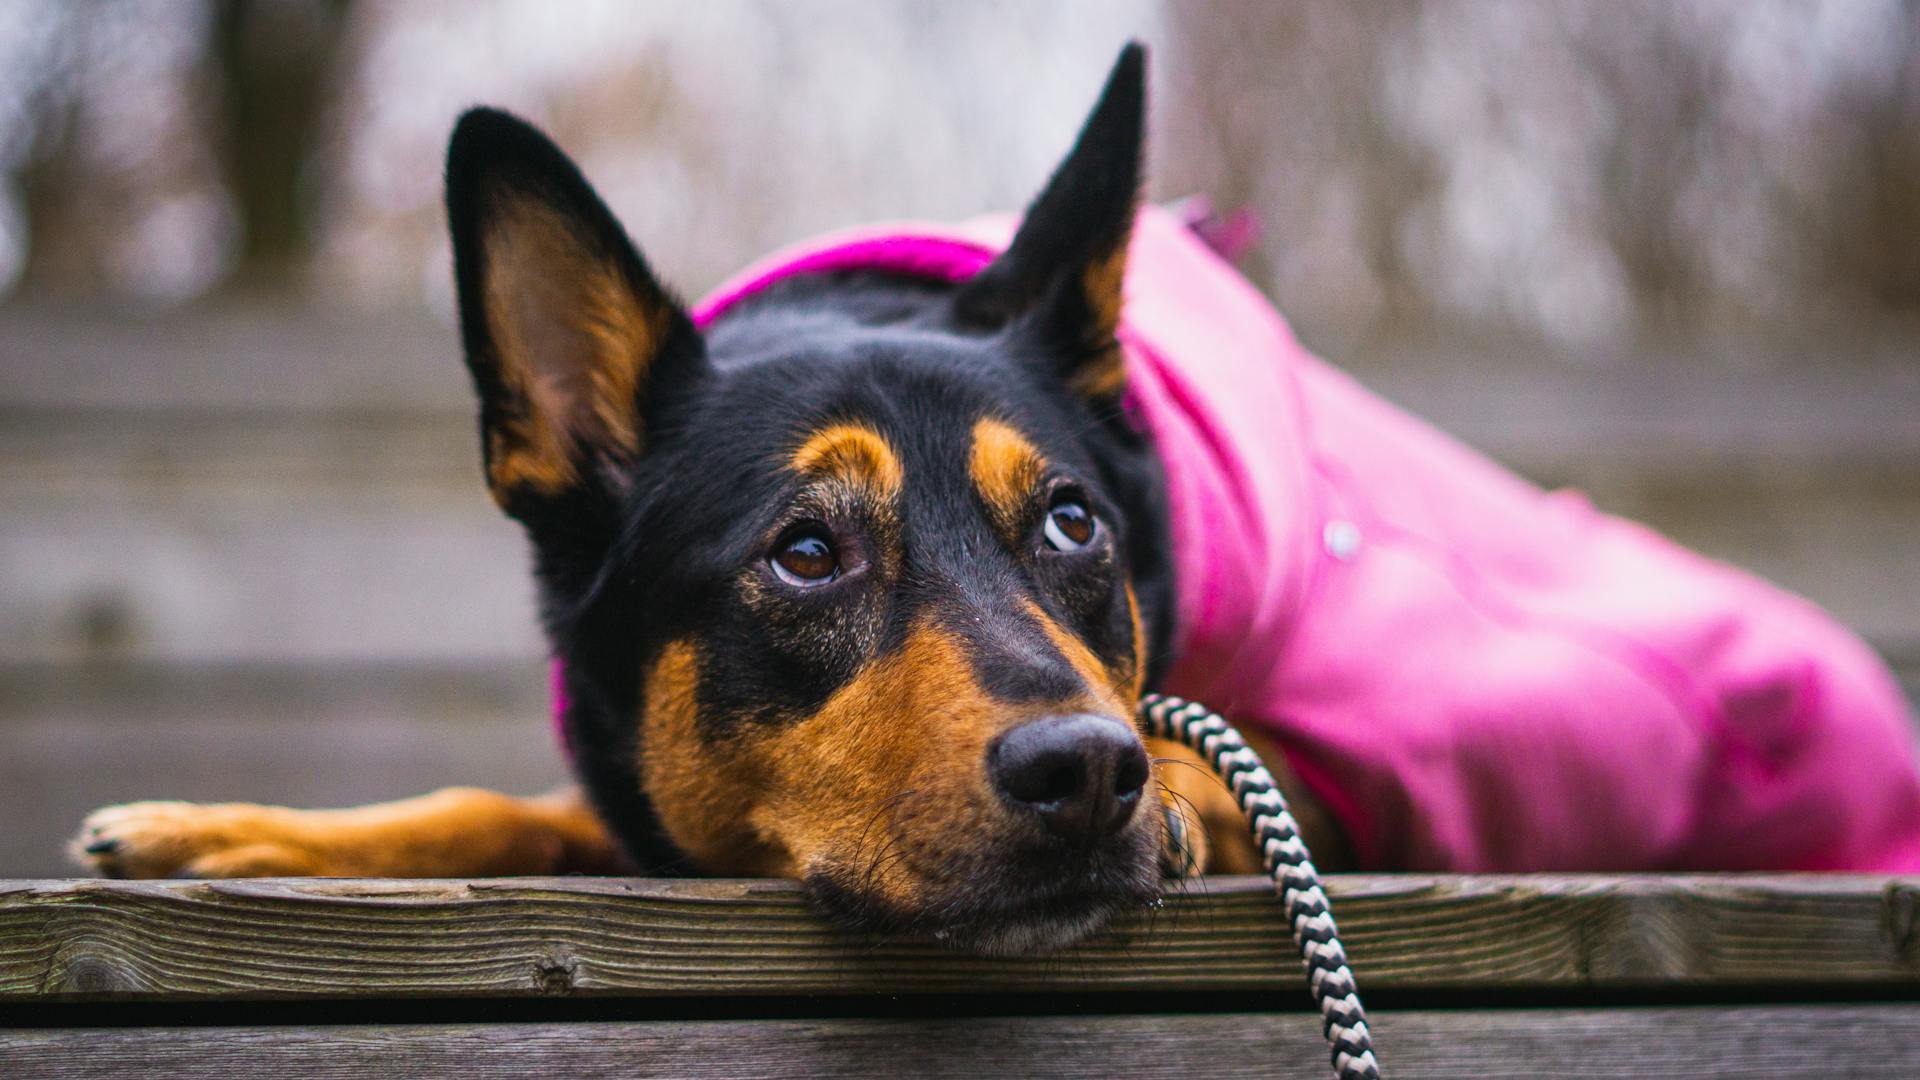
x=453 y=832
x=1212 y=831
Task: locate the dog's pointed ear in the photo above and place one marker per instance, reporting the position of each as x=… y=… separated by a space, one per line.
x=1062 y=273
x=567 y=332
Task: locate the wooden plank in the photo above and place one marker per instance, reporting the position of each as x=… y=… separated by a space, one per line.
x=192 y=941
x=285 y=484
x=302 y=575
x=1724 y=399
x=1733 y=1043
x=290 y=542
x=74 y=739
x=229 y=356
x=267 y=576
x=283 y=534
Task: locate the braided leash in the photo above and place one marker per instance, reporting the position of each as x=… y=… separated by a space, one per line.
x=1343 y=1020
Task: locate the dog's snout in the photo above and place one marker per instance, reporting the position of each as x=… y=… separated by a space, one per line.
x=1080 y=774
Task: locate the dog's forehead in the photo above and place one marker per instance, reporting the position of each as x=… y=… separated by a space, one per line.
x=895 y=403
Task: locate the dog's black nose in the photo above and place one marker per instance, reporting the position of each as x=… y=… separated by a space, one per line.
x=1080 y=774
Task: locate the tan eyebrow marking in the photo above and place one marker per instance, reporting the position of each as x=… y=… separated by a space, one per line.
x=851 y=452
x=1006 y=469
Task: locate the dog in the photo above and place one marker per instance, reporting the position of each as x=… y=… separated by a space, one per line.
x=854 y=572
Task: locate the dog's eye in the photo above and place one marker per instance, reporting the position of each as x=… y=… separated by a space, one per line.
x=805 y=557
x=1070 y=525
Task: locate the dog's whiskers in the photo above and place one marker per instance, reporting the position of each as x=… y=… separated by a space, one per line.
x=889 y=845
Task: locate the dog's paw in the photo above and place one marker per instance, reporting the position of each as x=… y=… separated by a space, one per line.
x=190 y=840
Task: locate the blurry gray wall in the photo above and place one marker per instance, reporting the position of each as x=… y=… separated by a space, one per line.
x=1583 y=171
x=1663 y=251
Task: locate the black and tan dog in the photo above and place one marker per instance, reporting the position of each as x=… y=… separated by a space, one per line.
x=858 y=585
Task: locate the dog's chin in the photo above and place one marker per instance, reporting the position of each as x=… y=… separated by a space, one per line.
x=1043 y=927
x=1004 y=913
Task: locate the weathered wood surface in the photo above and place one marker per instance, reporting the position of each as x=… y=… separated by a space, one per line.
x=337 y=735
x=1726 y=397
x=1757 y=1042
x=187 y=941
x=285 y=485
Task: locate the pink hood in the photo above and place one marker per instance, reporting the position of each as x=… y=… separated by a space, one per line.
x=1473 y=674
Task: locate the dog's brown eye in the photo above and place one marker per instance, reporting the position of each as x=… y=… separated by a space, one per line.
x=805 y=557
x=1070 y=525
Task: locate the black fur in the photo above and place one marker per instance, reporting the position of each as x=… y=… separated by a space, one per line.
x=675 y=543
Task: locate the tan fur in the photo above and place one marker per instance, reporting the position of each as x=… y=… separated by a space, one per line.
x=1118 y=685
x=1104 y=376
x=702 y=794
x=1006 y=470
x=885 y=785
x=573 y=343
x=1139 y=641
x=1217 y=833
x=1189 y=789
x=855 y=455
x=454 y=832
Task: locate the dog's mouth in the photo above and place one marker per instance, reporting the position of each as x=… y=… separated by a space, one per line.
x=1012 y=910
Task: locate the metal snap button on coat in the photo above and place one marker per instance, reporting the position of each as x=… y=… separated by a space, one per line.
x=1341 y=538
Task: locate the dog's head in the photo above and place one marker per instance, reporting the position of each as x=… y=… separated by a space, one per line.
x=858 y=585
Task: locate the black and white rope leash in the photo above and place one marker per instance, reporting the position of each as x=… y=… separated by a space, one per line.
x=1343 y=1020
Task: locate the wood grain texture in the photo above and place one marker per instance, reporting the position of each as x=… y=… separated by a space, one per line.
x=308 y=938
x=1772 y=1042
x=283 y=484
x=75 y=739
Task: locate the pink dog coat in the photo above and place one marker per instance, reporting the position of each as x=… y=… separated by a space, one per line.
x=1474 y=675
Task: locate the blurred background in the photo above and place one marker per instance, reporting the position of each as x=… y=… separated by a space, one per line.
x=1668 y=252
